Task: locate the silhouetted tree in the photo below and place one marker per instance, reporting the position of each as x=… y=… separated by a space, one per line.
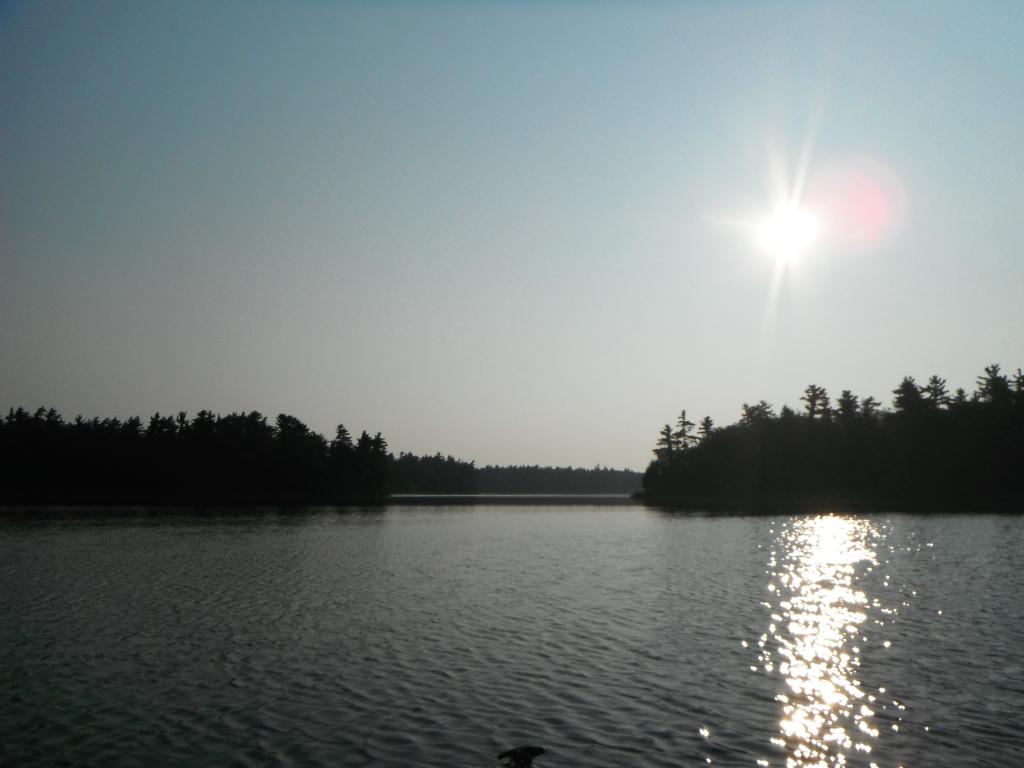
x=705 y=429
x=342 y=439
x=684 y=432
x=668 y=444
x=907 y=396
x=847 y=407
x=993 y=386
x=431 y=474
x=925 y=454
x=233 y=459
x=759 y=411
x=959 y=399
x=935 y=393
x=535 y=479
x=816 y=399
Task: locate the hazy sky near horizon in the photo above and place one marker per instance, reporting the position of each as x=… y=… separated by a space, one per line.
x=512 y=232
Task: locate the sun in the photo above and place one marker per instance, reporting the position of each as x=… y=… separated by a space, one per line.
x=788 y=231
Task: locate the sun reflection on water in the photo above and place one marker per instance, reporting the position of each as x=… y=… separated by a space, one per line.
x=815 y=628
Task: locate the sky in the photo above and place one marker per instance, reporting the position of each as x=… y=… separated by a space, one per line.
x=517 y=233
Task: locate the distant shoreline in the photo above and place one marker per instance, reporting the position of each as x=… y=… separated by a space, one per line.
x=526 y=499
x=693 y=506
x=397 y=500
x=777 y=505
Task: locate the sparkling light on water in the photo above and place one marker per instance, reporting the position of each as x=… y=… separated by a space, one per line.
x=815 y=629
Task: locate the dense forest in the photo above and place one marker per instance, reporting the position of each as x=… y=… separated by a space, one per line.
x=444 y=474
x=431 y=474
x=242 y=458
x=534 y=479
x=932 y=449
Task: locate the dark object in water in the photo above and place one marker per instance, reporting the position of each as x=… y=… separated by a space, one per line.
x=519 y=757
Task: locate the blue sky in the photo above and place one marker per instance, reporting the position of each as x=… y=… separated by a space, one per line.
x=495 y=229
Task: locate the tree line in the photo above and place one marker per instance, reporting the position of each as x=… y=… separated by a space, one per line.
x=536 y=479
x=445 y=474
x=243 y=458
x=933 y=448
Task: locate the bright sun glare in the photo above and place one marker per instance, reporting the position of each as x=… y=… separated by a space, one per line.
x=788 y=231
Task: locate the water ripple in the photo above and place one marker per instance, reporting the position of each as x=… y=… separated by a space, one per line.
x=438 y=637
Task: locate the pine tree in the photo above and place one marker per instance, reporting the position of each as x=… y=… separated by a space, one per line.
x=869 y=407
x=993 y=386
x=707 y=426
x=816 y=399
x=847 y=406
x=907 y=396
x=935 y=393
x=683 y=433
x=759 y=411
x=667 y=446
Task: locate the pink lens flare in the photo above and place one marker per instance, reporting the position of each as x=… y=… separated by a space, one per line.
x=862 y=201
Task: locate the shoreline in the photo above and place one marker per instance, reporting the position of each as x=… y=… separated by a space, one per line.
x=411 y=499
x=779 y=505
x=690 y=505
x=524 y=499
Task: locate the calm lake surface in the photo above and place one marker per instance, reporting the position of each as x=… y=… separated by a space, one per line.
x=438 y=636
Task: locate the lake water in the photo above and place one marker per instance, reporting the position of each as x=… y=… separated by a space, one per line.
x=438 y=636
